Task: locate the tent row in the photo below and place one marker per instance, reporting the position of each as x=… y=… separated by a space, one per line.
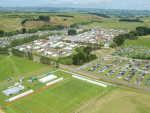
x=90 y=81
x=97 y=80
x=47 y=78
x=57 y=80
x=20 y=95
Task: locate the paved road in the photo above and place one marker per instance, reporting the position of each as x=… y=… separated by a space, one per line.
x=126 y=83
x=118 y=81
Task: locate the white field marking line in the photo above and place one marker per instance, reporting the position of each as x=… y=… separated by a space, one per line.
x=11 y=109
x=61 y=97
x=57 y=97
x=19 y=107
x=86 y=103
x=86 y=77
x=68 y=95
x=43 y=104
x=91 y=101
x=76 y=91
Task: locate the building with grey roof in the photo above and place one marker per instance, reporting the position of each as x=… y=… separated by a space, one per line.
x=74 y=38
x=12 y=91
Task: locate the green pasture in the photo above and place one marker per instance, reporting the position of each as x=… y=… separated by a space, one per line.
x=117 y=25
x=15 y=67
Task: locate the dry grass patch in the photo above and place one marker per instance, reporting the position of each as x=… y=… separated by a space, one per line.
x=120 y=101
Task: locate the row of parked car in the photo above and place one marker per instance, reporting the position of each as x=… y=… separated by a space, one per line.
x=146 y=66
x=140 y=77
x=121 y=73
x=148 y=81
x=131 y=62
x=130 y=75
x=115 y=61
x=137 y=65
x=112 y=71
x=95 y=67
x=146 y=53
x=142 y=48
x=87 y=66
x=102 y=70
x=124 y=50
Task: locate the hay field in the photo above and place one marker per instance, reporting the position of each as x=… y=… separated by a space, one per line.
x=121 y=100
x=10 y=24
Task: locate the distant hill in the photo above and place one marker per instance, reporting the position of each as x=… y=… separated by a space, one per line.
x=77 y=10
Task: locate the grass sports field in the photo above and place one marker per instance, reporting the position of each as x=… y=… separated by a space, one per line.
x=66 y=96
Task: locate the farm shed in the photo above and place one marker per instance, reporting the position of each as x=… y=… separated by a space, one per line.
x=12 y=90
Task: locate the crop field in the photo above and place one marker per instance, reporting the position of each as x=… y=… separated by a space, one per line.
x=65 y=96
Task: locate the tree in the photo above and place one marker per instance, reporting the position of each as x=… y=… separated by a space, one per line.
x=24 y=30
x=72 y=32
x=113 y=45
x=57 y=64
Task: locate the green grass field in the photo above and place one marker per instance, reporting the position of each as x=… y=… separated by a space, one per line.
x=117 y=25
x=64 y=97
x=15 y=65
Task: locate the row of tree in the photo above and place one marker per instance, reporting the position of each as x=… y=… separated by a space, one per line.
x=4 y=51
x=130 y=20
x=66 y=16
x=47 y=61
x=100 y=14
x=22 y=54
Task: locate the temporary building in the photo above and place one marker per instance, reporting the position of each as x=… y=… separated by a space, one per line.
x=56 y=44
x=39 y=43
x=20 y=95
x=48 y=53
x=12 y=91
x=21 y=49
x=90 y=81
x=47 y=78
x=67 y=48
x=54 y=55
x=57 y=80
x=37 y=47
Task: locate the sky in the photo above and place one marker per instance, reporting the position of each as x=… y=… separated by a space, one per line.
x=101 y=4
